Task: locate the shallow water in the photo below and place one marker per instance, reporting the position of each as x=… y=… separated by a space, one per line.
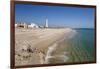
x=78 y=46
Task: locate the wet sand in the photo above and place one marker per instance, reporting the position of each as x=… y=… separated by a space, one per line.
x=31 y=45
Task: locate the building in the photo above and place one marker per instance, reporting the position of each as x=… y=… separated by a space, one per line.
x=16 y=25
x=25 y=25
x=33 y=25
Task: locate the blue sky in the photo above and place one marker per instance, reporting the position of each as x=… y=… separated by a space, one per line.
x=74 y=17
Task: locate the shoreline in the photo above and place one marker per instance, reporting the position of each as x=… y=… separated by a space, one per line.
x=34 y=44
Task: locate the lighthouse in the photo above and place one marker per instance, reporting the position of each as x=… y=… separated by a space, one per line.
x=46 y=23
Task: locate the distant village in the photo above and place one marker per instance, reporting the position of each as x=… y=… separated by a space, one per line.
x=32 y=25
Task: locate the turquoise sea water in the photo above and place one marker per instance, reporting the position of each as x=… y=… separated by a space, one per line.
x=79 y=48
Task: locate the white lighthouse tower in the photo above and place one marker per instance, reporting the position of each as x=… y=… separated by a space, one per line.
x=46 y=23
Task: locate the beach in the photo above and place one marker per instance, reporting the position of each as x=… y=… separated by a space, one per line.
x=34 y=46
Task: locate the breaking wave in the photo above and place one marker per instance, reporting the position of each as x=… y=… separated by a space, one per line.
x=49 y=52
x=53 y=47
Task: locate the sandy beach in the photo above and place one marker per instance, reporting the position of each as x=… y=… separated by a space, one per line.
x=32 y=45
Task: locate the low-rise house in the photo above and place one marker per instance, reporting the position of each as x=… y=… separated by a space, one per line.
x=33 y=25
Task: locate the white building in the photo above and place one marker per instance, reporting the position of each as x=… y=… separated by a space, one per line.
x=25 y=25
x=33 y=25
x=16 y=25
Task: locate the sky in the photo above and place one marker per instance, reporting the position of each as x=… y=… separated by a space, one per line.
x=63 y=16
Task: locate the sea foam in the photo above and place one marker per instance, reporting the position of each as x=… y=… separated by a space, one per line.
x=53 y=47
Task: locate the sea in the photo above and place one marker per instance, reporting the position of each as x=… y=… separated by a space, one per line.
x=77 y=47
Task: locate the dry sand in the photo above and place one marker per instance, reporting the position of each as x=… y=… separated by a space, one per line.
x=31 y=45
